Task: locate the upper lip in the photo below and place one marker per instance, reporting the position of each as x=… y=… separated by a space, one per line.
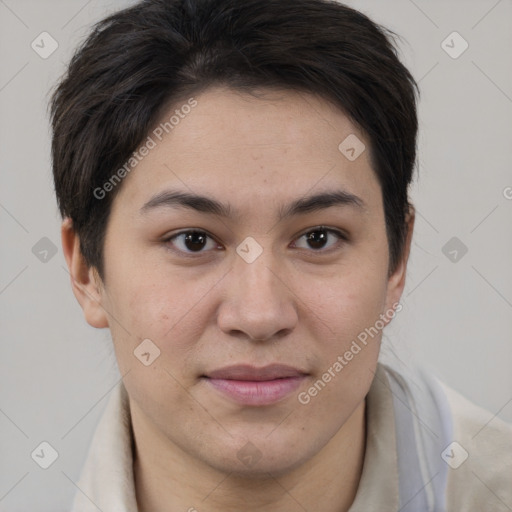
x=249 y=372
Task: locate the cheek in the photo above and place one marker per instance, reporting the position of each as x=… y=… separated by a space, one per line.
x=170 y=309
x=348 y=302
x=347 y=337
x=161 y=311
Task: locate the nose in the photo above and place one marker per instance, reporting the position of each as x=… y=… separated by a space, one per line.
x=259 y=302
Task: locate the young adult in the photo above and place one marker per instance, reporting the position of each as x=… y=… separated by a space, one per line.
x=233 y=178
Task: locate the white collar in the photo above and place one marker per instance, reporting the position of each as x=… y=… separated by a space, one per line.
x=107 y=482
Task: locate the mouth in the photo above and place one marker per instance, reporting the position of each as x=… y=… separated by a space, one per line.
x=248 y=385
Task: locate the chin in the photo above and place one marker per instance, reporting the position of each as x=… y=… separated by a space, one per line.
x=262 y=469
x=256 y=456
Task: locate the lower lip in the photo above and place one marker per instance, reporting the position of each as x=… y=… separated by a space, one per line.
x=249 y=392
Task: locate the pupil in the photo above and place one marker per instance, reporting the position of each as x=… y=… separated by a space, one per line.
x=195 y=241
x=317 y=239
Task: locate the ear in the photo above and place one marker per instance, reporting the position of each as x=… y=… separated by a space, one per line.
x=396 y=281
x=85 y=281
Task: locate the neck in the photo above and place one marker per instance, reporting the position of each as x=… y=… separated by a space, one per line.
x=167 y=479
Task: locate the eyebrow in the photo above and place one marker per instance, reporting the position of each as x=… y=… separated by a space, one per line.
x=204 y=204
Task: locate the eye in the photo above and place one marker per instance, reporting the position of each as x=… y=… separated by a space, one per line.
x=192 y=241
x=321 y=238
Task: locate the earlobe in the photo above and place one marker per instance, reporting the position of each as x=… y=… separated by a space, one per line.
x=85 y=282
x=396 y=281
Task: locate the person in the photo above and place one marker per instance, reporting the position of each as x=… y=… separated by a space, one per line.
x=233 y=179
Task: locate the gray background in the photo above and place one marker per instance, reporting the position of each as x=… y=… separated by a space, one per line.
x=56 y=372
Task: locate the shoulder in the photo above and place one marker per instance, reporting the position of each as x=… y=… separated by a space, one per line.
x=480 y=459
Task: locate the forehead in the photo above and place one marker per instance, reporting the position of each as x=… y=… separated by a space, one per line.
x=267 y=120
x=273 y=147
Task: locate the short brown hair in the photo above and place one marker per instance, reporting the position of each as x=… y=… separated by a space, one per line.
x=140 y=59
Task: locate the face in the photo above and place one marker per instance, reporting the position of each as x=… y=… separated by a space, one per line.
x=258 y=307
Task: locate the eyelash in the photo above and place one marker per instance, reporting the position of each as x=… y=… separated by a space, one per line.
x=340 y=234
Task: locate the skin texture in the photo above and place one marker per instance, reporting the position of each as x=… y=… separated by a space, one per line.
x=295 y=304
